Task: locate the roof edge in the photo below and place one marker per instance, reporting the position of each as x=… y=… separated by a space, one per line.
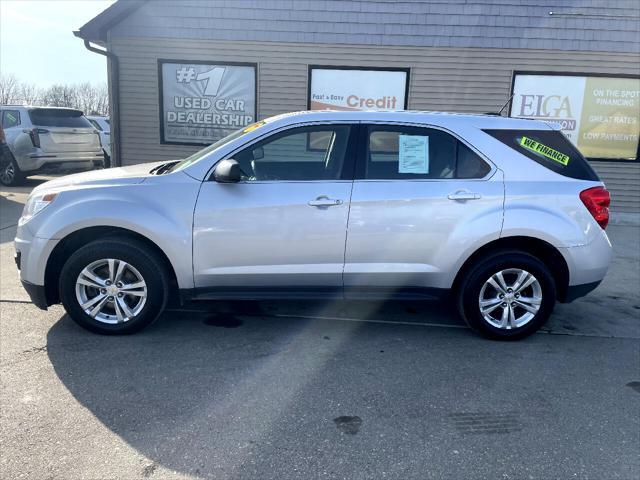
x=95 y=30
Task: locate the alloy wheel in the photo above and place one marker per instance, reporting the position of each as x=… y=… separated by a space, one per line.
x=111 y=291
x=8 y=174
x=510 y=298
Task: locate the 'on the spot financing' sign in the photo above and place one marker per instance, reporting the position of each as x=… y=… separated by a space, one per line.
x=599 y=114
x=202 y=102
x=345 y=88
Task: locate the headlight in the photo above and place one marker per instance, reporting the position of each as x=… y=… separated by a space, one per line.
x=35 y=204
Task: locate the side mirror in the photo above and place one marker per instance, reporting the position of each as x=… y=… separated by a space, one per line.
x=227 y=171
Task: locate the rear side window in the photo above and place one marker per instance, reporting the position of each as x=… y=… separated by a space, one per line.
x=414 y=153
x=549 y=148
x=55 y=117
x=10 y=118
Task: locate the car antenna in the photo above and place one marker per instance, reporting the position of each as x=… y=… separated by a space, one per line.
x=504 y=106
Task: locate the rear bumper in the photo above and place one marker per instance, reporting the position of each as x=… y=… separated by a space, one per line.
x=41 y=162
x=37 y=293
x=588 y=264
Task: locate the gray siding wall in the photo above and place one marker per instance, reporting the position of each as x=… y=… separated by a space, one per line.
x=451 y=79
x=583 y=25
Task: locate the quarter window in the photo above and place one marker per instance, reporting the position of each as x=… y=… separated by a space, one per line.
x=10 y=118
x=95 y=124
x=418 y=153
x=305 y=153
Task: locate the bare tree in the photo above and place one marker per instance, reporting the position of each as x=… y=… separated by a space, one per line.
x=102 y=99
x=91 y=99
x=29 y=94
x=60 y=96
x=8 y=89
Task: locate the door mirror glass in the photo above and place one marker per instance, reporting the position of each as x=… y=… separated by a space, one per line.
x=227 y=171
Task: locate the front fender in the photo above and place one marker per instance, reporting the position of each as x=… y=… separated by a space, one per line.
x=162 y=213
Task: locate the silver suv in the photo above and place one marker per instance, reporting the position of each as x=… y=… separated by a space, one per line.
x=503 y=213
x=48 y=140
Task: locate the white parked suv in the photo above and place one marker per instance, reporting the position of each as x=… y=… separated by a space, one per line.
x=504 y=214
x=103 y=126
x=48 y=140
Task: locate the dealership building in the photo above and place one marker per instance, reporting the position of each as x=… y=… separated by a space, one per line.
x=185 y=73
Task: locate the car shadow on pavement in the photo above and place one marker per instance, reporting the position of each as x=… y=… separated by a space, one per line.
x=293 y=389
x=206 y=393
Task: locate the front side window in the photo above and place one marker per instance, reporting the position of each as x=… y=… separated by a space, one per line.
x=299 y=154
x=414 y=153
x=10 y=118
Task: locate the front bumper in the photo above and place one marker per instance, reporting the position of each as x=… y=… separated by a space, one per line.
x=37 y=293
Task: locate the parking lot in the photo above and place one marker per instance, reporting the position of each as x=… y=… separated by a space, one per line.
x=321 y=390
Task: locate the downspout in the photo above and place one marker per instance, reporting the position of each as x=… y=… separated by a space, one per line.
x=114 y=103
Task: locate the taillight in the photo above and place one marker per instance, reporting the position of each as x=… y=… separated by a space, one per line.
x=597 y=201
x=34 y=135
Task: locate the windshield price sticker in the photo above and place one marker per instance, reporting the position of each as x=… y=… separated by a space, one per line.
x=545 y=151
x=414 y=154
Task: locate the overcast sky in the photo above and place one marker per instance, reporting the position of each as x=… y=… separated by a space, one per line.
x=37 y=43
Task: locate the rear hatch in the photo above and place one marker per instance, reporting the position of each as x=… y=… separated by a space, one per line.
x=62 y=130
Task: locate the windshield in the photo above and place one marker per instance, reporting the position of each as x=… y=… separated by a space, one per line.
x=200 y=154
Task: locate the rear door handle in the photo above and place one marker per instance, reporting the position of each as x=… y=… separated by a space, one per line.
x=324 y=201
x=463 y=195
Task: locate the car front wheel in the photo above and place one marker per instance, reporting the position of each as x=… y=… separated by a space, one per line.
x=114 y=286
x=508 y=295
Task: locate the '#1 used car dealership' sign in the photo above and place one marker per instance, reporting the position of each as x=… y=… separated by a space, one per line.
x=600 y=115
x=202 y=102
x=350 y=88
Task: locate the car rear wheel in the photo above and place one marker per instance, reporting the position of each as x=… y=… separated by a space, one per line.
x=508 y=295
x=10 y=175
x=114 y=286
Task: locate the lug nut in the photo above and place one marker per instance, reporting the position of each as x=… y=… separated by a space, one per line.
x=108 y=282
x=111 y=298
x=504 y=305
x=513 y=304
x=501 y=295
x=517 y=295
x=103 y=291
x=509 y=290
x=120 y=295
x=119 y=284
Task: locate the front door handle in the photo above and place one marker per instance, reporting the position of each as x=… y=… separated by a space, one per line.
x=463 y=195
x=324 y=201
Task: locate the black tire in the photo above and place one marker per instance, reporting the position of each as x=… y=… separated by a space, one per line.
x=136 y=254
x=11 y=175
x=468 y=293
x=107 y=160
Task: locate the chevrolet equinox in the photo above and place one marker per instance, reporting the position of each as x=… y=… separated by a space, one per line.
x=505 y=214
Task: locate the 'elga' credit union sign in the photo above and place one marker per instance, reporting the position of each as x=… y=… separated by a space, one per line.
x=350 y=88
x=203 y=102
x=600 y=115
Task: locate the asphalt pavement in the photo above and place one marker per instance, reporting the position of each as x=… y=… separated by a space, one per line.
x=344 y=390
